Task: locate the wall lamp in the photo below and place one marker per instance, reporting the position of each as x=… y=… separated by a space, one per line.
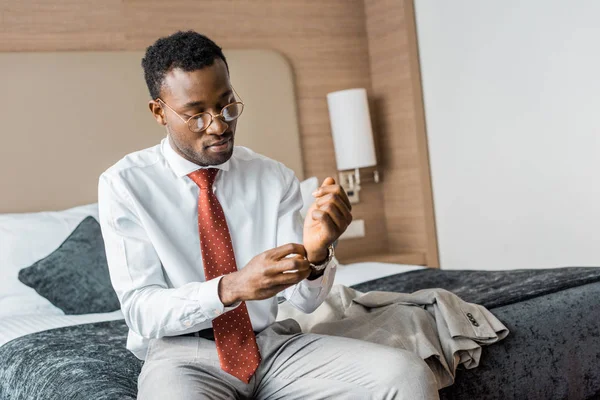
x=352 y=138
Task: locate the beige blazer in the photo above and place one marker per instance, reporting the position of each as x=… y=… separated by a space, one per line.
x=434 y=323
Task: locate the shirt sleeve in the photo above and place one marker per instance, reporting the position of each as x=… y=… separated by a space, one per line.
x=151 y=309
x=306 y=295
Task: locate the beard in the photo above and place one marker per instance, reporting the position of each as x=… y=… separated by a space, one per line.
x=200 y=154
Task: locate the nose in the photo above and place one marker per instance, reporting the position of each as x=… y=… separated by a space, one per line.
x=217 y=126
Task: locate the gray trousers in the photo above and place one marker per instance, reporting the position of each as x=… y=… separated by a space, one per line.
x=294 y=366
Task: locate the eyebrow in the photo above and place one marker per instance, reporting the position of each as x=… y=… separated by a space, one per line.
x=193 y=104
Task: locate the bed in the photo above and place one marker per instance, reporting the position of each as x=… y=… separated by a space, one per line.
x=57 y=341
x=552 y=352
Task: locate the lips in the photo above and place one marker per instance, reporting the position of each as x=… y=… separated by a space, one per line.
x=220 y=142
x=220 y=147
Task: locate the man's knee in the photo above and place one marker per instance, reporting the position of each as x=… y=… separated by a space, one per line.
x=406 y=363
x=407 y=375
x=171 y=380
x=157 y=377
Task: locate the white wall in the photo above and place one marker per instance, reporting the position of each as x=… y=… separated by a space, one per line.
x=512 y=102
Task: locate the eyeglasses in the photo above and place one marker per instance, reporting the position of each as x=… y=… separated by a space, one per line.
x=200 y=122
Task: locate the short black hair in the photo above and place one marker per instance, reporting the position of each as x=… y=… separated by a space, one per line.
x=186 y=50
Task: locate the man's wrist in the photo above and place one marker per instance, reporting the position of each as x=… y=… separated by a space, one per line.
x=321 y=265
x=318 y=257
x=226 y=290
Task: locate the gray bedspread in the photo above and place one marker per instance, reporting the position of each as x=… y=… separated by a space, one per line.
x=552 y=352
x=488 y=288
x=77 y=362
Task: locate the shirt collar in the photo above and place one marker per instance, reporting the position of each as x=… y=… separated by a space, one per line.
x=180 y=165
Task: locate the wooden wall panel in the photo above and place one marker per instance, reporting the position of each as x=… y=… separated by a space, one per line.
x=399 y=120
x=325 y=41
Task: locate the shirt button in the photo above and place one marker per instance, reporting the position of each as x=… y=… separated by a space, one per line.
x=187 y=323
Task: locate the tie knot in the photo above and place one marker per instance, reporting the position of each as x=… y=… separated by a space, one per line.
x=204 y=177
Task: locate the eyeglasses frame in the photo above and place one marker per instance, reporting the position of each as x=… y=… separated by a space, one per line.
x=212 y=117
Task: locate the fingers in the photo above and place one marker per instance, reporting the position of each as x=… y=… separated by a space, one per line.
x=272 y=271
x=337 y=217
x=287 y=272
x=332 y=189
x=292 y=278
x=326 y=221
x=283 y=251
x=334 y=200
x=287 y=265
x=336 y=209
x=328 y=181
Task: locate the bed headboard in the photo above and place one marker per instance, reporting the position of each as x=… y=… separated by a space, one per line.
x=68 y=116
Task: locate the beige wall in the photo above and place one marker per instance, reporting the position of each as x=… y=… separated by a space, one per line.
x=328 y=46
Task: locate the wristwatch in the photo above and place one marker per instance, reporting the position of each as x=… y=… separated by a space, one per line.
x=323 y=265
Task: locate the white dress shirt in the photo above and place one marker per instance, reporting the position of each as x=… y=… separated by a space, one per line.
x=148 y=213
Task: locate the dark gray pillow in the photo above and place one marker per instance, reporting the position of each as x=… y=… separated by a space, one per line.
x=75 y=276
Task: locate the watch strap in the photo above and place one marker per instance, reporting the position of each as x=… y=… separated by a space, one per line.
x=321 y=266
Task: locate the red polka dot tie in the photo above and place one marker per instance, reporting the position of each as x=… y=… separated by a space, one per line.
x=234 y=337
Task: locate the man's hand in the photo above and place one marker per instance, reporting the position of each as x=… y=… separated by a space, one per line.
x=326 y=219
x=265 y=275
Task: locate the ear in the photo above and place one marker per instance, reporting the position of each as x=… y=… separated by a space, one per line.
x=157 y=112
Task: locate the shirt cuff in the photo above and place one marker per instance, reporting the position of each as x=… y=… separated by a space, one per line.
x=208 y=296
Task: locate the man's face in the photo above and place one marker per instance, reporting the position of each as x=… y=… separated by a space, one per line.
x=192 y=92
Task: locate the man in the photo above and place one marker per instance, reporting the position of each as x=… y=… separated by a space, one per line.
x=200 y=237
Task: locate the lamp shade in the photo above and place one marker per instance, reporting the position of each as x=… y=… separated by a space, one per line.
x=351 y=129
